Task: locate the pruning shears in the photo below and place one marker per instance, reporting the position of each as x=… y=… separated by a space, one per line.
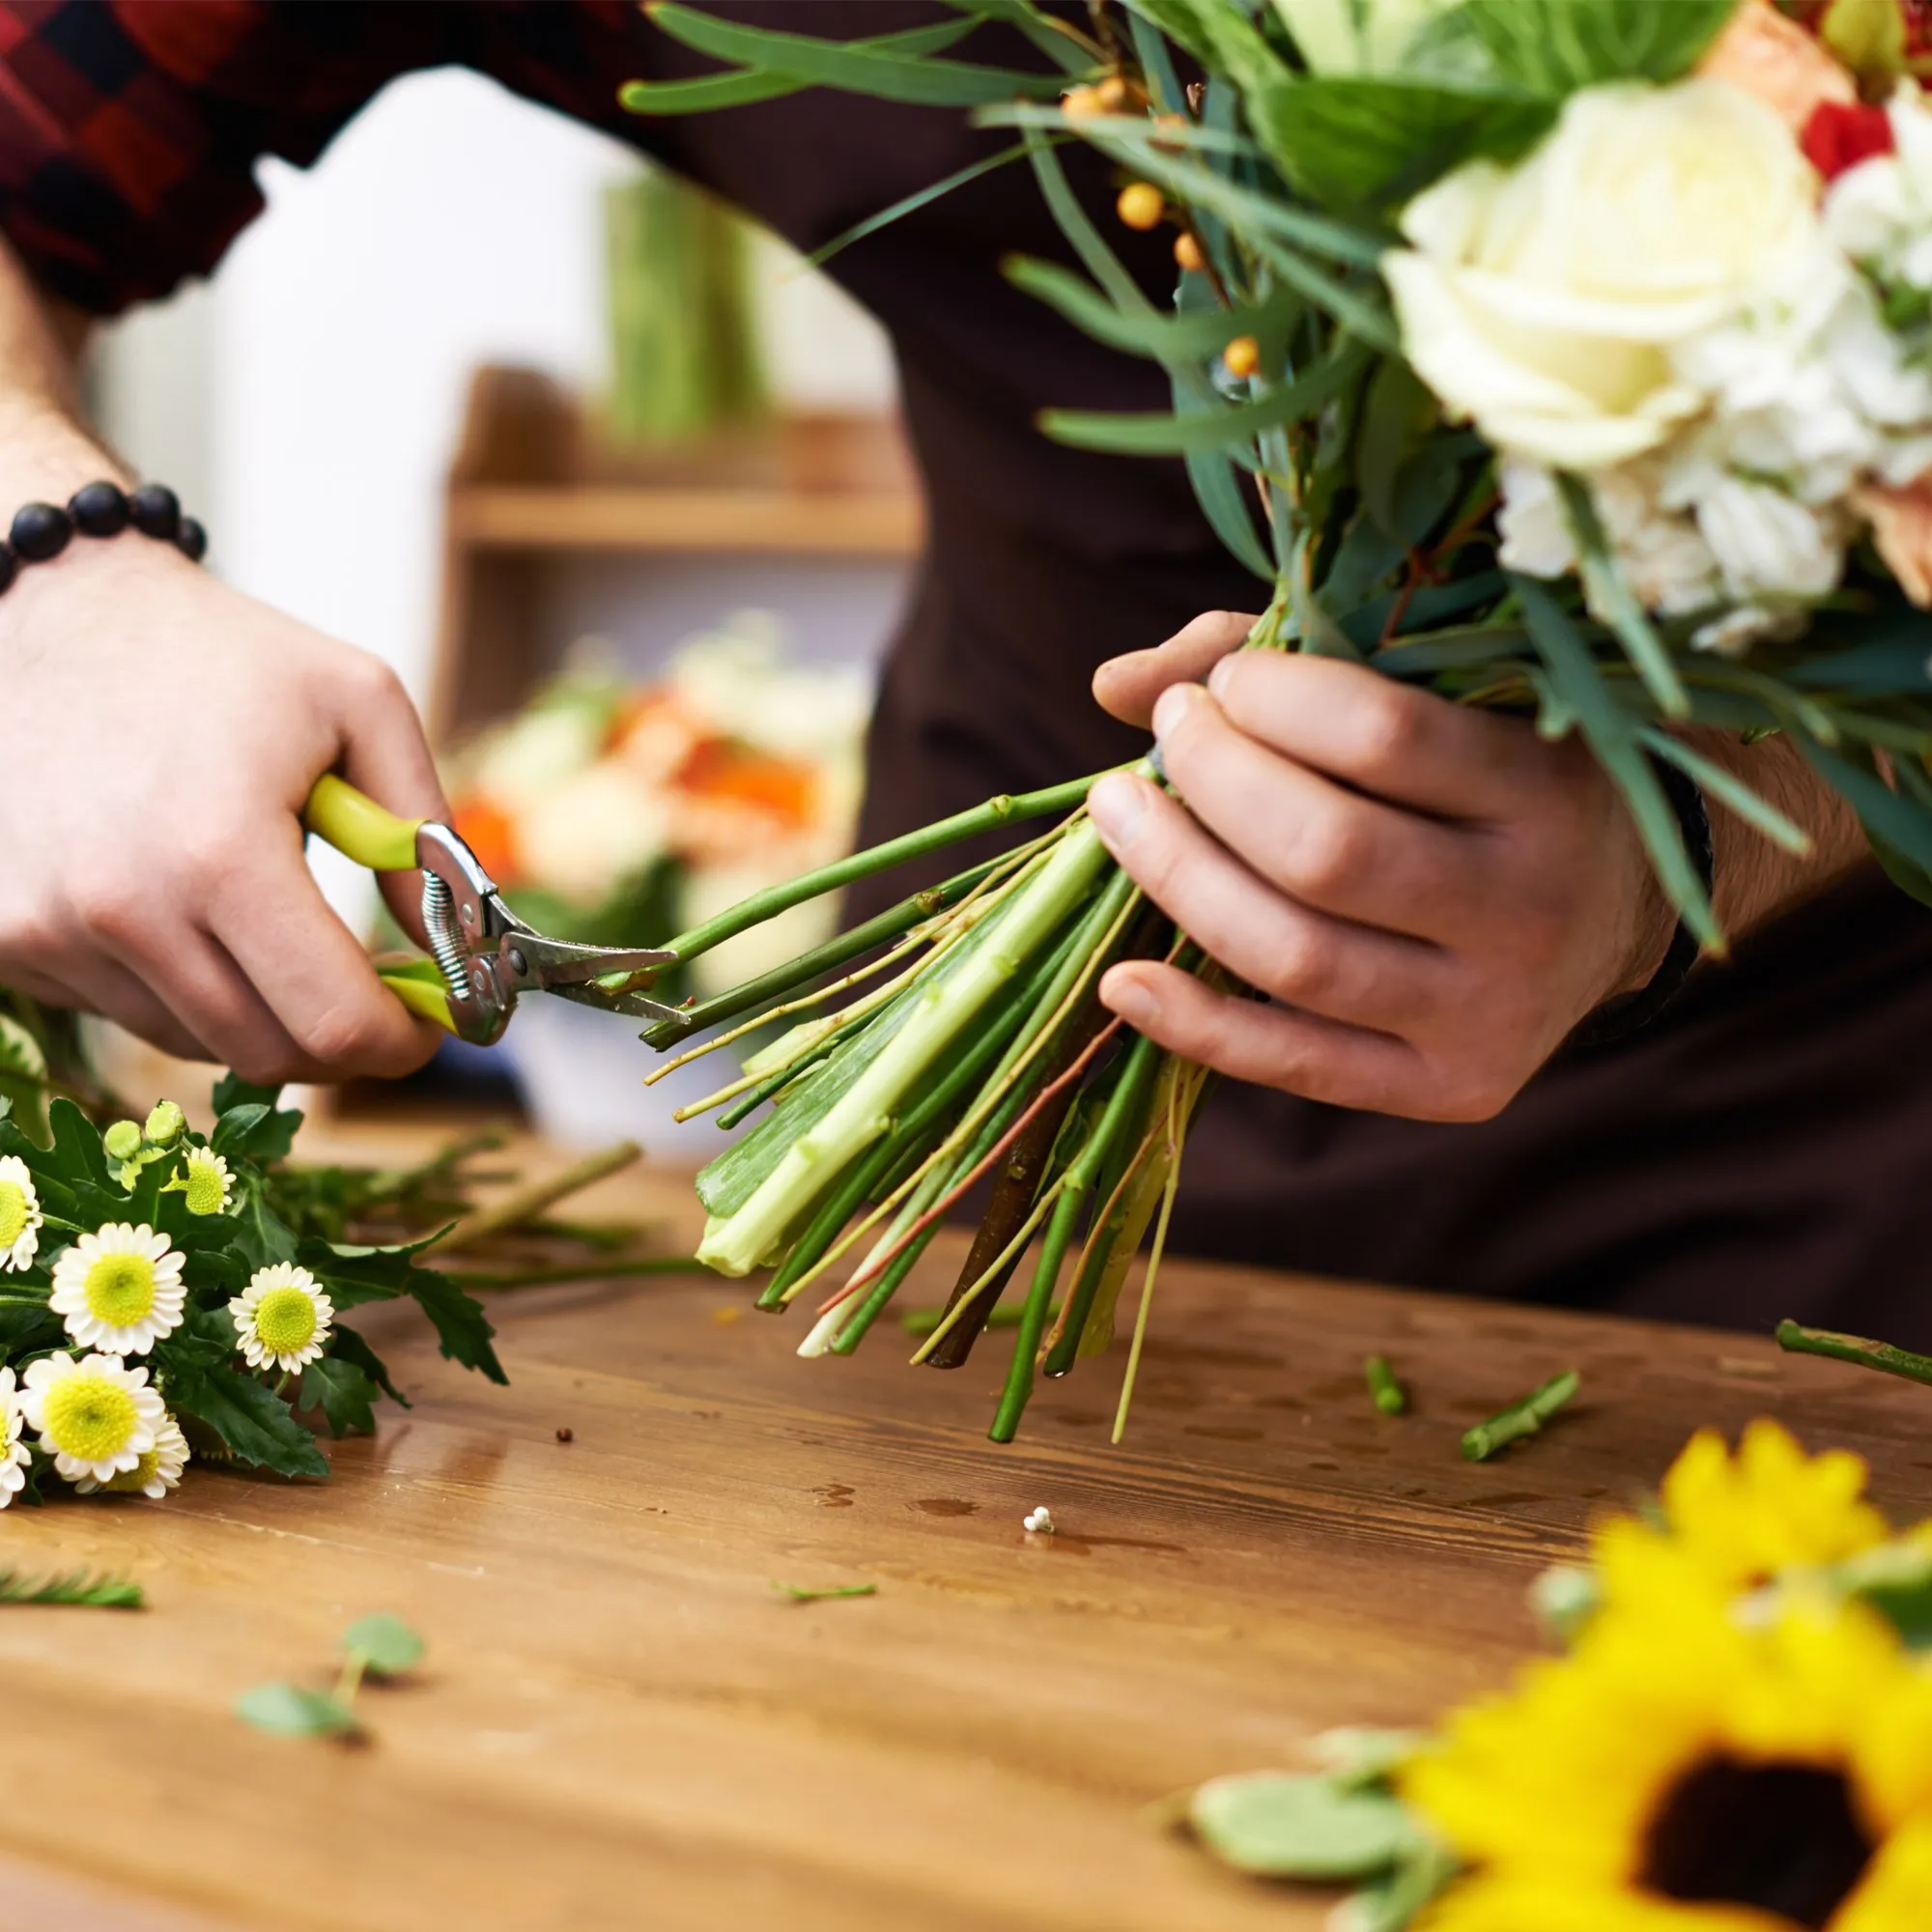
x=483 y=955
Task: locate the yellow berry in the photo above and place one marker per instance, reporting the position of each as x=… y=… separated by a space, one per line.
x=1141 y=205
x=1078 y=102
x=1242 y=356
x=1187 y=254
x=1116 y=96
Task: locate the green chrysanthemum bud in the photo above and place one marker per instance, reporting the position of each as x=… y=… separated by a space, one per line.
x=123 y=1140
x=165 y=1126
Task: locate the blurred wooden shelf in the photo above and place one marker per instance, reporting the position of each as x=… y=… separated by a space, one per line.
x=730 y=521
x=535 y=483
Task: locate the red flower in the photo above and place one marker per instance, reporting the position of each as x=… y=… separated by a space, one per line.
x=1838 y=137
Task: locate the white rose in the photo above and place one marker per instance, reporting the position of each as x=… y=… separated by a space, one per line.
x=1542 y=301
x=1356 y=36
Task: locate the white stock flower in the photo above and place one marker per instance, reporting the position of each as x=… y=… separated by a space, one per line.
x=159 y=1471
x=1767 y=543
x=1543 y=300
x=20 y=1216
x=119 y=1289
x=1880 y=212
x=282 y=1318
x=14 y=1453
x=95 y=1416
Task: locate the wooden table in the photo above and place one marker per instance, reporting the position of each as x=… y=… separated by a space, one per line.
x=619 y=1724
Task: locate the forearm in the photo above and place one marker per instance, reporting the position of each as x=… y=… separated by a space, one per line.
x=1755 y=881
x=45 y=451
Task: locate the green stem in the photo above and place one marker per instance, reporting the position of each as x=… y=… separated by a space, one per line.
x=1388 y=1394
x=1854 y=1348
x=860 y=1113
x=1521 y=1418
x=1180 y=1109
x=835 y=952
x=1005 y=810
x=1033 y=1312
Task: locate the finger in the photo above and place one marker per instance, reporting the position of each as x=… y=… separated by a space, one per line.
x=100 y=986
x=1344 y=972
x=1323 y=845
x=314 y=975
x=1271 y=1046
x=1400 y=744
x=383 y=751
x=1128 y=685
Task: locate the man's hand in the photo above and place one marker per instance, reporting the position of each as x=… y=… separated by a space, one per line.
x=159 y=736
x=1430 y=896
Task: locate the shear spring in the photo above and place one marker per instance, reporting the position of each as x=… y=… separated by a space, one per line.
x=446 y=941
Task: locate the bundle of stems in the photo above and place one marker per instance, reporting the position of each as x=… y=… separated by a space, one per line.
x=953 y=1041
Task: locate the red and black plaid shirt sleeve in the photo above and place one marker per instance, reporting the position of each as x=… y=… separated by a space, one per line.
x=129 y=129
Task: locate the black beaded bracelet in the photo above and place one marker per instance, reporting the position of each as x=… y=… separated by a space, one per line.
x=1631 y=1014
x=41 y=531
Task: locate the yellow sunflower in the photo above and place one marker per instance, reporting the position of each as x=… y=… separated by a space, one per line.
x=1737 y=1522
x=1682 y=1771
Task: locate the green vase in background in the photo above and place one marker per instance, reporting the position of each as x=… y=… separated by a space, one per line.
x=684 y=349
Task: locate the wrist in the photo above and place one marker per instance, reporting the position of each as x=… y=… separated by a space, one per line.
x=46 y=456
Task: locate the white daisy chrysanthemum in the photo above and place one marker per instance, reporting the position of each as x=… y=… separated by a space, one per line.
x=159 y=1471
x=205 y=1180
x=282 y=1317
x=13 y=1452
x=119 y=1289
x=95 y=1415
x=19 y=1215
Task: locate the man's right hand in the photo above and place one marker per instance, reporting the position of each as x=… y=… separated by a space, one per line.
x=159 y=736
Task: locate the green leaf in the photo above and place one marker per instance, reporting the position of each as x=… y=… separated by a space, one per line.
x=1277 y=1826
x=1611 y=734
x=849 y=65
x=1064 y=52
x=355 y=1275
x=342 y=1393
x=78 y=1157
x=709 y=92
x=254 y=1423
x=805 y=1593
x=256 y=1129
x=232 y=1090
x=1611 y=595
x=1374 y=141
x=912 y=204
x=1211 y=429
x=385 y=1644
x=1221 y=36
x=1224 y=502
x=1397 y=414
x=23 y=1073
x=1552 y=47
x=1729 y=790
x=348 y=1346
x=289 y=1711
x=1197 y=333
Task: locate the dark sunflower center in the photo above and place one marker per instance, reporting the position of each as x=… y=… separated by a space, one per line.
x=1781 y=1837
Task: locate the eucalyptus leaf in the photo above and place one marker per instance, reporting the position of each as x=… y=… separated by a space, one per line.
x=1275 y=1825
x=386 y=1643
x=288 y=1710
x=1200 y=333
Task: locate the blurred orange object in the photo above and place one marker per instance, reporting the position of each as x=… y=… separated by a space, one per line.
x=490 y=834
x=719 y=768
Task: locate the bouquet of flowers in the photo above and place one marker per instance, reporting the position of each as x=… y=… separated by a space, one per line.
x=1738 y=1735
x=1572 y=358
x=166 y=1294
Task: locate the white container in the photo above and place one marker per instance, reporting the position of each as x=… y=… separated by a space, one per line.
x=582 y=1073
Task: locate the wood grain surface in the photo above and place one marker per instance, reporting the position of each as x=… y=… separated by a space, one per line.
x=619 y=1723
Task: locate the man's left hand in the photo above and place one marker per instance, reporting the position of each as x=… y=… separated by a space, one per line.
x=1430 y=894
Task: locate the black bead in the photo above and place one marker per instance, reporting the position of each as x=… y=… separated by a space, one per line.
x=191 y=540
x=156 y=510
x=98 y=509
x=9 y=565
x=41 y=530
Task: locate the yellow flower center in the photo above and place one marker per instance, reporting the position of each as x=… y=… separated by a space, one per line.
x=131 y=1482
x=89 y=1417
x=285 y=1321
x=205 y=1187
x=12 y=1213
x=1780 y=1837
x=120 y=1290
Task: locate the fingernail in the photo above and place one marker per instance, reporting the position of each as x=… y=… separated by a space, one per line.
x=1115 y=807
x=1134 y=1003
x=1173 y=704
x=1218 y=678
